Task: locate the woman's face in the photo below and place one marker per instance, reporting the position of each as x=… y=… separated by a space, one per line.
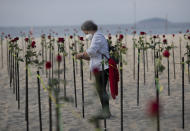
x=85 y=32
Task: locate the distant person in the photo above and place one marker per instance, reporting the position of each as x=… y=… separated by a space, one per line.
x=98 y=48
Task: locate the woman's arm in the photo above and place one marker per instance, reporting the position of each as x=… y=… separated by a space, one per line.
x=83 y=55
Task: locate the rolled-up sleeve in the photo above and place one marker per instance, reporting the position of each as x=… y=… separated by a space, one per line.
x=95 y=46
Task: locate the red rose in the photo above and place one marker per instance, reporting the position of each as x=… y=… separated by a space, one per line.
x=81 y=38
x=142 y=33
x=164 y=36
x=26 y=39
x=124 y=47
x=48 y=65
x=95 y=71
x=71 y=37
x=134 y=32
x=109 y=37
x=59 y=58
x=16 y=39
x=166 y=53
x=189 y=37
x=9 y=35
x=61 y=40
x=165 y=41
x=49 y=36
x=120 y=37
x=173 y=35
x=154 y=36
x=153 y=108
x=13 y=40
x=33 y=44
x=187 y=31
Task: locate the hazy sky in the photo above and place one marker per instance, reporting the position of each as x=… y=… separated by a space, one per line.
x=71 y=12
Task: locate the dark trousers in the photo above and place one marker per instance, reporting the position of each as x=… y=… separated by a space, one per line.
x=101 y=82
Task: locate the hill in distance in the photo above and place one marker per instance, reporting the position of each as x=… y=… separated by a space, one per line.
x=160 y=22
x=151 y=21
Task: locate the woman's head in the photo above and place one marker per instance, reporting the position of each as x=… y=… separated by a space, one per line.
x=89 y=27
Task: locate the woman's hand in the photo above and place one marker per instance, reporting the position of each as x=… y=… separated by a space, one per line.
x=82 y=55
x=79 y=56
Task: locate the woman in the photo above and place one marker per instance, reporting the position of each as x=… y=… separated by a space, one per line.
x=98 y=50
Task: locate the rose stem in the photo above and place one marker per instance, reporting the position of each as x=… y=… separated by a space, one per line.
x=7 y=56
x=144 y=65
x=64 y=74
x=16 y=82
x=57 y=110
x=82 y=82
x=39 y=100
x=2 y=50
x=58 y=72
x=152 y=56
x=147 y=60
x=146 y=55
x=121 y=86
x=183 y=97
x=76 y=61
x=157 y=97
x=50 y=103
x=18 y=78
x=13 y=72
x=154 y=52
x=43 y=53
x=50 y=108
x=174 y=63
x=27 y=109
x=10 y=66
x=138 y=70
x=46 y=56
x=134 y=60
x=74 y=82
x=180 y=49
x=69 y=50
x=52 y=54
x=168 y=76
x=57 y=97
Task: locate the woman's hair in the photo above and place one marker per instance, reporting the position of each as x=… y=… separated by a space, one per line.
x=89 y=26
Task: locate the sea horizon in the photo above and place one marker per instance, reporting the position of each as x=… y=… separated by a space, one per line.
x=150 y=26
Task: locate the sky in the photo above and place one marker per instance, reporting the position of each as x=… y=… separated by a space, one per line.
x=75 y=12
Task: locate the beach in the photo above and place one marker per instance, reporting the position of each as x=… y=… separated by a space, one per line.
x=135 y=117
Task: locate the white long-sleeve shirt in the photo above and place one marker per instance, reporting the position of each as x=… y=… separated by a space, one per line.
x=98 y=47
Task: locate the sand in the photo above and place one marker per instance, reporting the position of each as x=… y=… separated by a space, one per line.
x=135 y=117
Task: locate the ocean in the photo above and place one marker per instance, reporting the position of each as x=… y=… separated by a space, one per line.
x=105 y=29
